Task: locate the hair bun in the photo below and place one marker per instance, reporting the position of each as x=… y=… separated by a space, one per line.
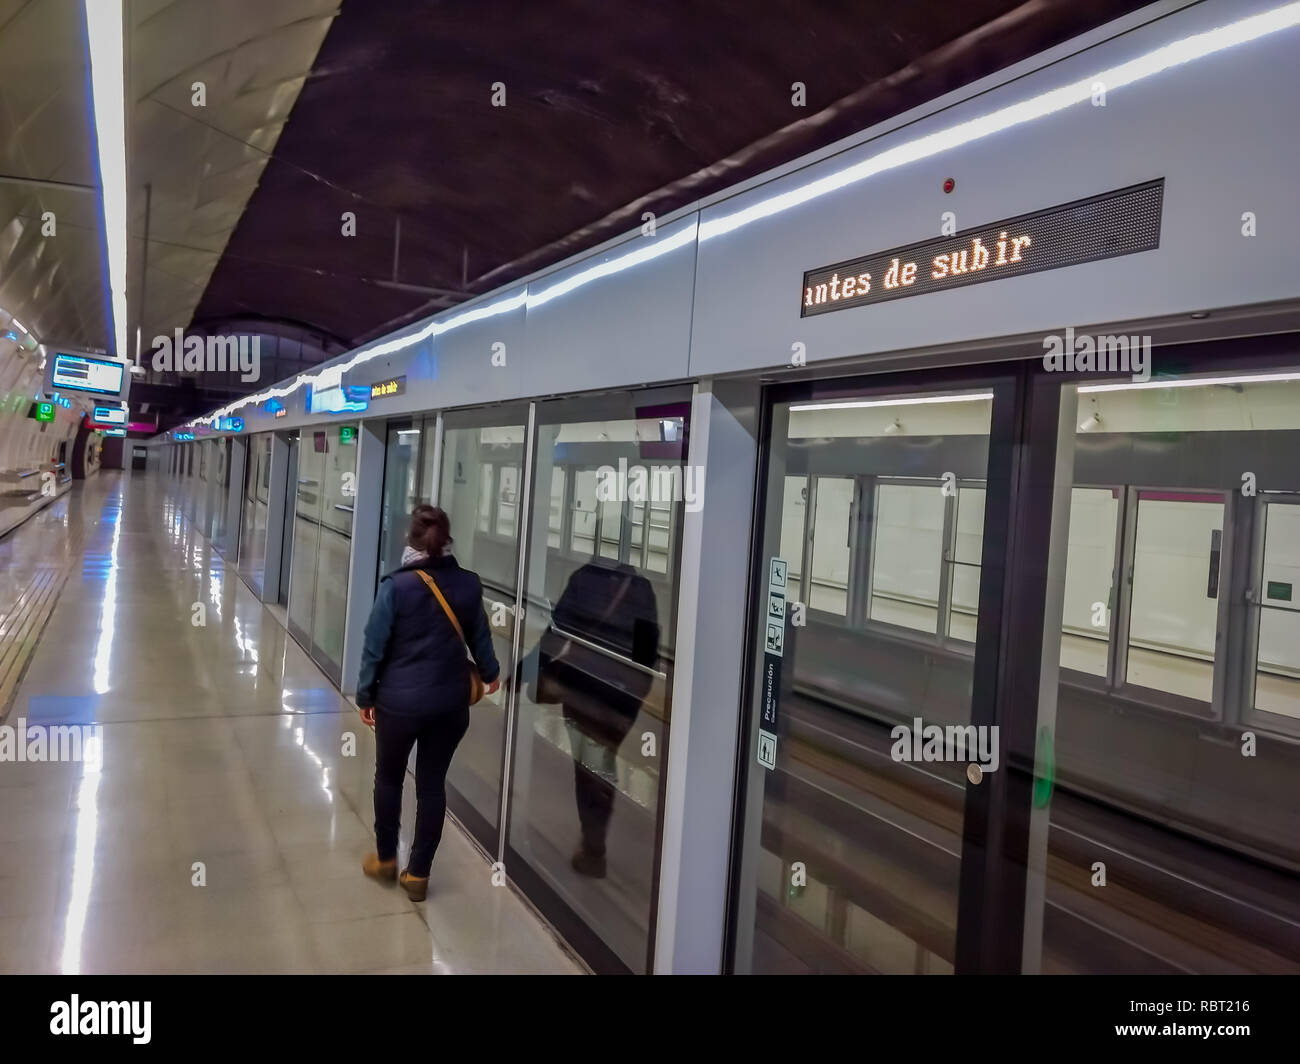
x=430 y=530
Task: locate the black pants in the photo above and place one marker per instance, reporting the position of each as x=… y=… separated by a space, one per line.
x=435 y=739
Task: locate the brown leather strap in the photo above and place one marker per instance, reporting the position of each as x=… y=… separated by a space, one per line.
x=445 y=607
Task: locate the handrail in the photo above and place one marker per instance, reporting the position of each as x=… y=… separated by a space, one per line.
x=609 y=653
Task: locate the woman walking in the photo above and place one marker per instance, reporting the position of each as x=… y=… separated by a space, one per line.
x=416 y=686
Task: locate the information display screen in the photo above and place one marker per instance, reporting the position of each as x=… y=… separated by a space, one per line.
x=1122 y=222
x=80 y=373
x=110 y=415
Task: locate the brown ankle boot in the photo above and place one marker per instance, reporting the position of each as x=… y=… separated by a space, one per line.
x=416 y=887
x=377 y=869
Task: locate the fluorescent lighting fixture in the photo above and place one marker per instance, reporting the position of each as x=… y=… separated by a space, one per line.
x=1185 y=50
x=1190 y=382
x=107 y=80
x=856 y=404
x=18 y=325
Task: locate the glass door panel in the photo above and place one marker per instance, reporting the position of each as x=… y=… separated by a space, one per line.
x=312 y=444
x=591 y=722
x=1168 y=769
x=334 y=546
x=474 y=442
x=852 y=829
x=401 y=466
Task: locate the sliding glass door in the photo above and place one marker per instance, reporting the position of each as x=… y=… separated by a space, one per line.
x=322 y=542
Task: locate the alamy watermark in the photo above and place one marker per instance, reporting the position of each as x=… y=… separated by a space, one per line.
x=57 y=742
x=1100 y=354
x=209 y=354
x=976 y=744
x=657 y=483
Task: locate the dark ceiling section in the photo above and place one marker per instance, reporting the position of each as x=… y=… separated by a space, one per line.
x=611 y=109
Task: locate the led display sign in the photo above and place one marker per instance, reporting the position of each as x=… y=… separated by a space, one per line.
x=230 y=424
x=114 y=432
x=383 y=389
x=110 y=415
x=43 y=411
x=349 y=399
x=1115 y=223
x=80 y=373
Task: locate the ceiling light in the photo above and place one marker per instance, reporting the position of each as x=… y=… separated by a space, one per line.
x=104 y=35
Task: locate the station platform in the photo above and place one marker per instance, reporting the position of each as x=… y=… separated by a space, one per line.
x=221 y=826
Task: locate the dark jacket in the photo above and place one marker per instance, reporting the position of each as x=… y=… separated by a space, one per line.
x=412 y=661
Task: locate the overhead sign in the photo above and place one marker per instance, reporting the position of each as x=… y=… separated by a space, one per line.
x=773 y=655
x=182 y=435
x=43 y=411
x=274 y=407
x=230 y=424
x=81 y=373
x=114 y=432
x=1116 y=223
x=110 y=415
x=62 y=400
x=383 y=389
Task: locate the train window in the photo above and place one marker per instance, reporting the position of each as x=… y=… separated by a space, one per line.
x=907 y=544
x=659 y=532
x=1277 y=640
x=1089 y=580
x=485 y=497
x=794 y=516
x=507 y=500
x=611 y=525
x=964 y=562
x=832 y=531
x=555 y=517
x=582 y=538
x=1174 y=606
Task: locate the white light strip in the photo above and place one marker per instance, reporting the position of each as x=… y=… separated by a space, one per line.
x=1177 y=53
x=923 y=400
x=615 y=265
x=107 y=79
x=1189 y=382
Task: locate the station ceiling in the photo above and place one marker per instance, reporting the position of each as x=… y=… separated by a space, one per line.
x=385 y=109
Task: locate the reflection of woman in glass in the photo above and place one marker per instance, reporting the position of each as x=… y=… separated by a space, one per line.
x=415 y=688
x=613 y=607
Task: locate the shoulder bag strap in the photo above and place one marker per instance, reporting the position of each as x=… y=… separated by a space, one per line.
x=443 y=602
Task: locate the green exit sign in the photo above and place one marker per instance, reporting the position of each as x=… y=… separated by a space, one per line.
x=44 y=411
x=347 y=434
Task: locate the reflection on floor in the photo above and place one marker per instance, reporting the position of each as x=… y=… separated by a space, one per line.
x=223 y=761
